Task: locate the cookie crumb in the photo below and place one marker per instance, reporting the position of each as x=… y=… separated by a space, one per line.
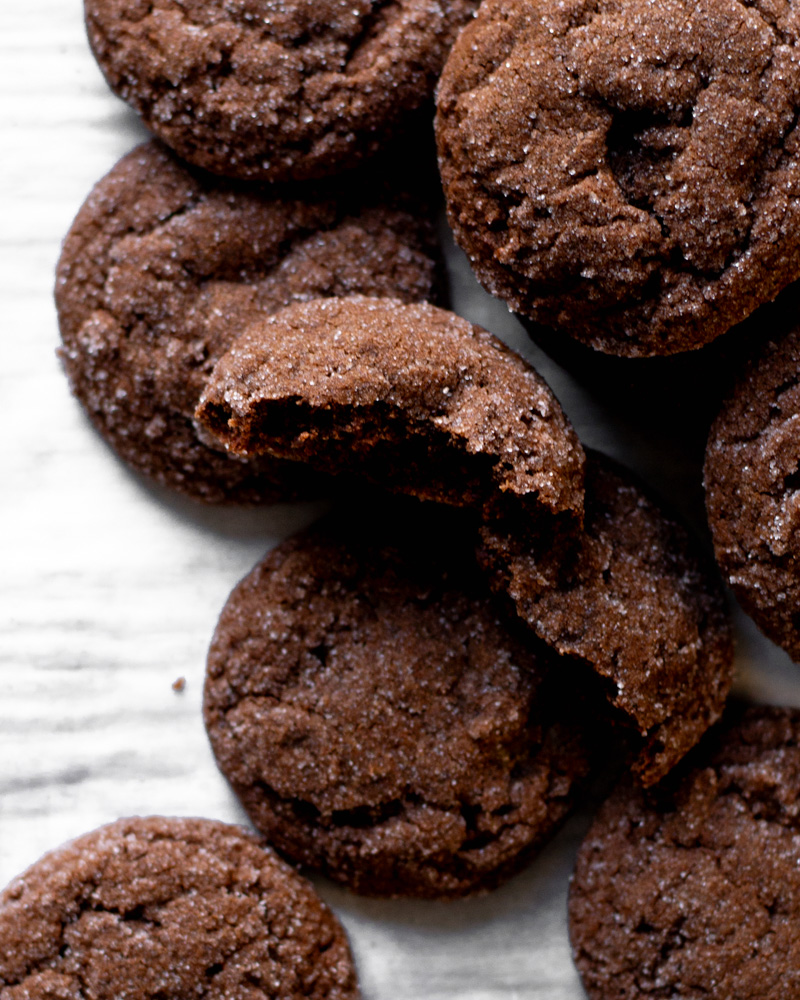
x=179 y=685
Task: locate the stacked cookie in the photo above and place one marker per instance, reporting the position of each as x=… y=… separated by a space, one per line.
x=392 y=694
x=165 y=265
x=379 y=718
x=413 y=399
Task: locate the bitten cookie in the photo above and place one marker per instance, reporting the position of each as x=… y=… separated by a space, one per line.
x=694 y=891
x=274 y=89
x=626 y=172
x=169 y=908
x=410 y=397
x=637 y=603
x=752 y=480
x=379 y=721
x=164 y=266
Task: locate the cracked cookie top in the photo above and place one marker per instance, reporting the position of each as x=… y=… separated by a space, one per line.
x=169 y=908
x=752 y=480
x=165 y=265
x=270 y=89
x=410 y=397
x=377 y=717
x=627 y=172
x=638 y=602
x=693 y=890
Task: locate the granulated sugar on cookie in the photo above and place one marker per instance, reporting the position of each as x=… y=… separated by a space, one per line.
x=626 y=172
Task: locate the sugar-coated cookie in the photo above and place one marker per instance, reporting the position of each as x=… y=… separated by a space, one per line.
x=378 y=719
x=752 y=480
x=635 y=601
x=410 y=397
x=169 y=908
x=626 y=172
x=693 y=889
x=164 y=265
x=274 y=89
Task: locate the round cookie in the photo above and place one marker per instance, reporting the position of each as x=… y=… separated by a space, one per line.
x=693 y=891
x=411 y=397
x=274 y=89
x=626 y=172
x=636 y=602
x=164 y=266
x=379 y=721
x=169 y=908
x=752 y=490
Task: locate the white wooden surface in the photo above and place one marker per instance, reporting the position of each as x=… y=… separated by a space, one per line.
x=109 y=588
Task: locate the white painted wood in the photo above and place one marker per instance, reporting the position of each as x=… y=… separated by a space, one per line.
x=109 y=587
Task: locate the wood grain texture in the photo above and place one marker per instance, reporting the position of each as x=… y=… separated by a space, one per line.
x=110 y=587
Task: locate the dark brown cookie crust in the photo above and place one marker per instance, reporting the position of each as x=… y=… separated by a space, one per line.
x=635 y=601
x=410 y=397
x=274 y=90
x=165 y=265
x=752 y=483
x=694 y=891
x=626 y=172
x=377 y=719
x=169 y=908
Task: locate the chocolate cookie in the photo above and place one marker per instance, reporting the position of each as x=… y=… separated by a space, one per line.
x=274 y=89
x=752 y=490
x=169 y=908
x=378 y=720
x=164 y=266
x=626 y=172
x=410 y=397
x=694 y=891
x=636 y=602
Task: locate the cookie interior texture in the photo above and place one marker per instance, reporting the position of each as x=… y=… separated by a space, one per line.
x=637 y=602
x=693 y=890
x=377 y=718
x=274 y=89
x=626 y=172
x=753 y=490
x=411 y=397
x=169 y=908
x=164 y=265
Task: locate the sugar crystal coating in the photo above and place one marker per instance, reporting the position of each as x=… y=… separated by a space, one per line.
x=164 y=265
x=377 y=717
x=636 y=601
x=753 y=490
x=169 y=908
x=410 y=397
x=627 y=172
x=274 y=89
x=693 y=890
